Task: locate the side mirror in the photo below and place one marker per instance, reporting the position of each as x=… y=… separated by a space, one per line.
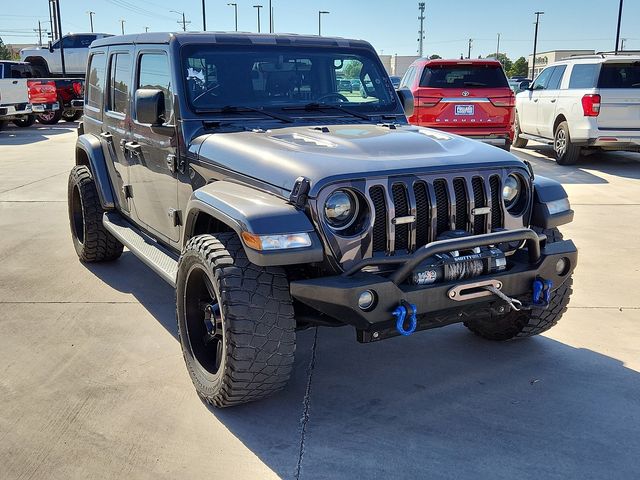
x=406 y=99
x=149 y=103
x=50 y=47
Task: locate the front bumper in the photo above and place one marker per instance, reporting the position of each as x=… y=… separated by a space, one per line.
x=337 y=296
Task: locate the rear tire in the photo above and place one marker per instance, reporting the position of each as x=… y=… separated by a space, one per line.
x=529 y=322
x=567 y=153
x=71 y=115
x=518 y=142
x=51 y=117
x=235 y=322
x=3 y=124
x=93 y=242
x=27 y=121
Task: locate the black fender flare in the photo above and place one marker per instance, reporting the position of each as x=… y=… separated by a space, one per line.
x=91 y=146
x=246 y=209
x=547 y=195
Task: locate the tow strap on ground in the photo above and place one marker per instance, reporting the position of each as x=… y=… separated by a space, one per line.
x=541 y=296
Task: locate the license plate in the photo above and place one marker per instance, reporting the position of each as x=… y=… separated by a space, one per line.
x=38 y=108
x=465 y=109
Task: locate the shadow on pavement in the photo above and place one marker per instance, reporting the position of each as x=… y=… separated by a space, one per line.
x=12 y=135
x=438 y=404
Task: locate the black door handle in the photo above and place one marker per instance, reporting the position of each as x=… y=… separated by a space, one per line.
x=553 y=101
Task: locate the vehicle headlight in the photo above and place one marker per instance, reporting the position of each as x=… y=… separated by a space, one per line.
x=341 y=209
x=511 y=190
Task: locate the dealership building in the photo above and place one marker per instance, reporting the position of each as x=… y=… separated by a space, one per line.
x=545 y=58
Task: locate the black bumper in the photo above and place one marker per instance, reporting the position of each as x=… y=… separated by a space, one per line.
x=337 y=296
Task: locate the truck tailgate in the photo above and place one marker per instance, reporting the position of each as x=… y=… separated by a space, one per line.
x=13 y=91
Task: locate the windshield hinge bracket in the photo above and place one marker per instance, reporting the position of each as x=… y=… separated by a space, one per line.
x=299 y=192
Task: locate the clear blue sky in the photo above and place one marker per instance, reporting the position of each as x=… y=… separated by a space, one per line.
x=391 y=26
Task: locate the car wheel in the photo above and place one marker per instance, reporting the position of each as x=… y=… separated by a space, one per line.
x=93 y=242
x=235 y=322
x=517 y=141
x=526 y=323
x=25 y=121
x=51 y=117
x=71 y=115
x=3 y=123
x=566 y=152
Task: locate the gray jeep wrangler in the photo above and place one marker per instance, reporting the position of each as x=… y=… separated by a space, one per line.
x=233 y=167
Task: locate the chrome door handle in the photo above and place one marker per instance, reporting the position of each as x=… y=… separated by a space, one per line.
x=106 y=136
x=133 y=147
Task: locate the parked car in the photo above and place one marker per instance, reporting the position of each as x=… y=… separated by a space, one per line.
x=66 y=93
x=395 y=81
x=466 y=97
x=76 y=49
x=581 y=105
x=272 y=209
x=345 y=86
x=355 y=84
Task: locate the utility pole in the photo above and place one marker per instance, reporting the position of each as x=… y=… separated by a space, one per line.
x=320 y=13
x=146 y=29
x=421 y=7
x=470 y=44
x=59 y=22
x=258 y=7
x=53 y=21
x=618 y=30
x=91 y=14
x=39 y=30
x=122 y=22
x=235 y=7
x=270 y=17
x=535 y=45
x=498 y=48
x=204 y=17
x=622 y=42
x=184 y=21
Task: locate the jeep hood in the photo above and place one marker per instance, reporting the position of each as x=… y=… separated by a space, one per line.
x=329 y=153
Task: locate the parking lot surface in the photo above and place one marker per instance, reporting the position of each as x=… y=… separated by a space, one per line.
x=93 y=384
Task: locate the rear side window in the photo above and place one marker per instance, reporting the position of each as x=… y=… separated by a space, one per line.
x=620 y=75
x=407 y=80
x=96 y=80
x=154 y=73
x=462 y=76
x=556 y=77
x=119 y=83
x=583 y=76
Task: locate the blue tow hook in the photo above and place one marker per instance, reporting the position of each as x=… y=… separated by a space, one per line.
x=542 y=292
x=400 y=313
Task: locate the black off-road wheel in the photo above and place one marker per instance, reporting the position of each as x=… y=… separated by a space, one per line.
x=25 y=121
x=526 y=323
x=93 y=242
x=235 y=322
x=51 y=117
x=518 y=142
x=567 y=153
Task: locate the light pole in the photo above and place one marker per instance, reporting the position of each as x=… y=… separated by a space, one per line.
x=122 y=22
x=91 y=14
x=146 y=29
x=204 y=17
x=258 y=7
x=421 y=7
x=618 y=30
x=535 y=45
x=320 y=13
x=235 y=7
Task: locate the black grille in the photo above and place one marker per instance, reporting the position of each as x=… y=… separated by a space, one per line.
x=479 y=200
x=401 y=204
x=422 y=213
x=442 y=206
x=461 y=203
x=380 y=223
x=496 y=202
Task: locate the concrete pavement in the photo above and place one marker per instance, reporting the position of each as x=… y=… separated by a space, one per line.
x=92 y=383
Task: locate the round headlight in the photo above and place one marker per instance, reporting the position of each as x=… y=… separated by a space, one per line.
x=341 y=209
x=511 y=190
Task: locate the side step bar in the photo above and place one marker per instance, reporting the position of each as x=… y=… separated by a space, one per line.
x=155 y=256
x=535 y=138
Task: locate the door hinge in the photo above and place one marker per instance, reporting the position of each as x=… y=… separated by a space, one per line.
x=175 y=217
x=128 y=191
x=174 y=164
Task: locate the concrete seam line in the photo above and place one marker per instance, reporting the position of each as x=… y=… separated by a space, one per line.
x=31 y=183
x=306 y=403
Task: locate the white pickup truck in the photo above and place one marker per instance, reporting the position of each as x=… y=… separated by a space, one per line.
x=76 y=52
x=14 y=94
x=581 y=105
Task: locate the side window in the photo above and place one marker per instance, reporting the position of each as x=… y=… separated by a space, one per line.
x=96 y=80
x=154 y=72
x=408 y=77
x=583 y=76
x=83 y=41
x=556 y=77
x=119 y=82
x=543 y=79
x=69 y=41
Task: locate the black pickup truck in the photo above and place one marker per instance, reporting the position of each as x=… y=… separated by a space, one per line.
x=233 y=166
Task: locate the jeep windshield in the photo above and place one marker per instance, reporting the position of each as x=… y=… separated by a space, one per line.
x=286 y=78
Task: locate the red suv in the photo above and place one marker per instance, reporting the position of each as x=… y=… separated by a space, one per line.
x=466 y=97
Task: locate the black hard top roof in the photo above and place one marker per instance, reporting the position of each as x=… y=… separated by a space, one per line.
x=229 y=38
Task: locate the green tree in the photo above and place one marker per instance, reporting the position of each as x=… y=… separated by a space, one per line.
x=352 y=69
x=504 y=60
x=519 y=68
x=434 y=57
x=5 y=53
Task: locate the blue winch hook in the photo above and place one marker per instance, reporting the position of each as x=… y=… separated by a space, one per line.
x=401 y=314
x=542 y=292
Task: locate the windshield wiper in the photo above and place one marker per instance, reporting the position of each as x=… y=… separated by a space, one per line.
x=324 y=106
x=234 y=109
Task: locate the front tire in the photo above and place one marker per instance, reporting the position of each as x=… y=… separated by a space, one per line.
x=51 y=117
x=567 y=153
x=518 y=142
x=93 y=242
x=526 y=323
x=26 y=121
x=235 y=322
x=71 y=115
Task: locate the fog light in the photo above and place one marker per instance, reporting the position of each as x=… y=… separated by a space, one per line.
x=562 y=266
x=366 y=300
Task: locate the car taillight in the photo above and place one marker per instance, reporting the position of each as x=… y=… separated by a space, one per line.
x=503 y=101
x=591 y=105
x=428 y=101
x=78 y=88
